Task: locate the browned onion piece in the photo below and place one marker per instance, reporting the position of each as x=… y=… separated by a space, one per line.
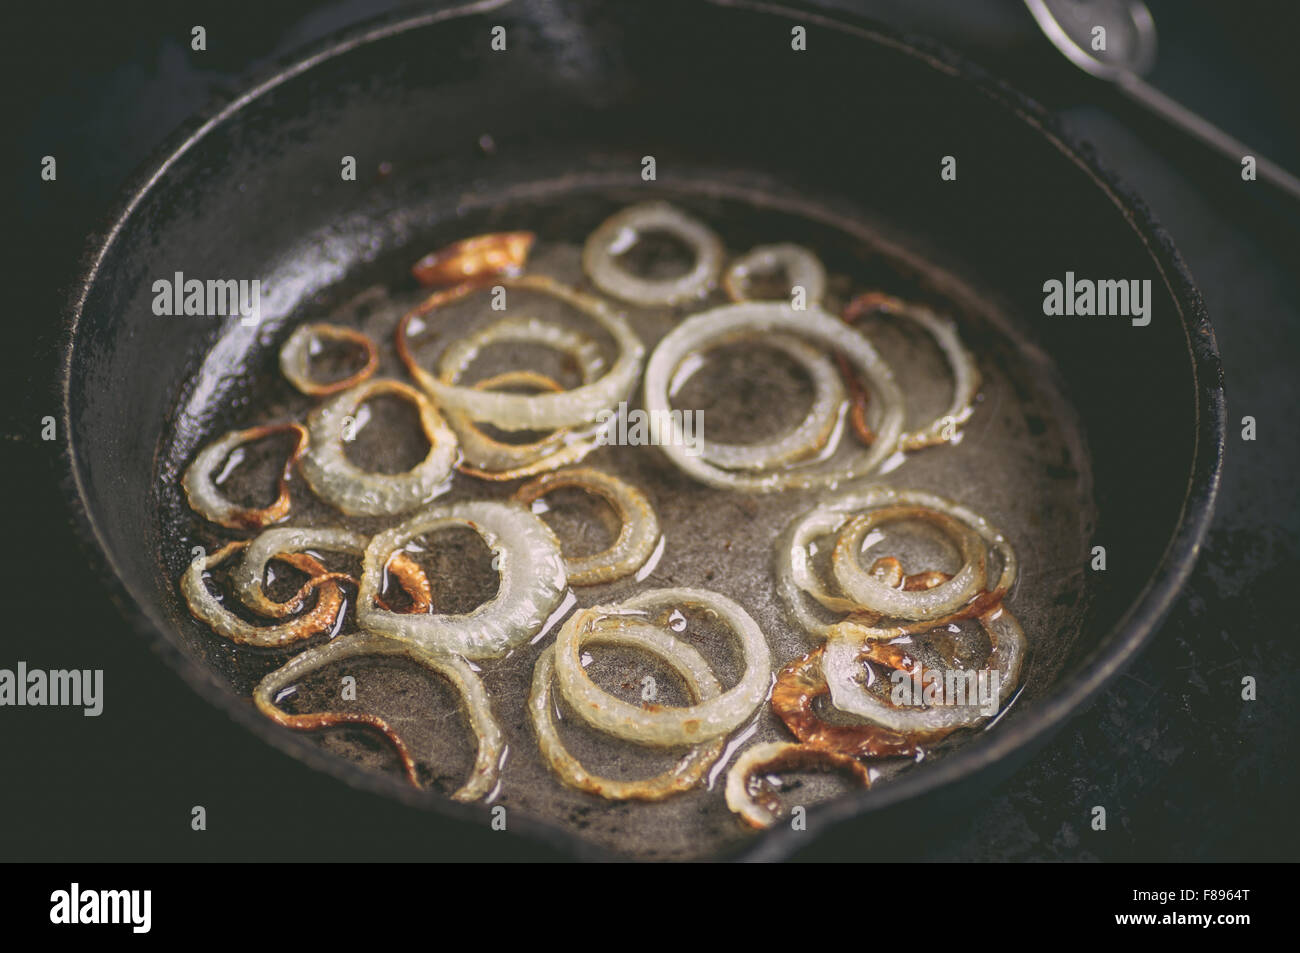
x=475 y=259
x=295 y=357
x=207 y=500
x=759 y=809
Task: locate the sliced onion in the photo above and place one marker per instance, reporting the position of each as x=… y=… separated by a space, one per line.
x=531 y=586
x=966 y=378
x=638 y=530
x=760 y=811
x=494 y=459
x=295 y=357
x=207 y=607
x=769 y=317
x=621 y=231
x=491 y=742
x=208 y=501
x=274 y=543
x=573 y=408
x=804 y=440
x=475 y=259
x=802 y=268
x=662 y=726
x=685 y=775
x=841 y=665
x=897 y=603
x=795 y=575
x=357 y=492
x=800 y=683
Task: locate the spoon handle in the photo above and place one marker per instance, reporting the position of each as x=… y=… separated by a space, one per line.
x=1201 y=128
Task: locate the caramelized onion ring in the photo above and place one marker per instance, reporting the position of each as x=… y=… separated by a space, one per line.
x=491 y=742
x=206 y=500
x=295 y=357
x=475 y=259
x=841 y=664
x=893 y=602
x=686 y=774
x=802 y=268
x=769 y=317
x=531 y=586
x=207 y=608
x=274 y=543
x=966 y=378
x=573 y=408
x=621 y=231
x=357 y=492
x=638 y=532
x=759 y=810
x=802 y=681
x=662 y=726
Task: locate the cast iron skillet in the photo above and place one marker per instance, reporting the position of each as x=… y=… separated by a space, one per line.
x=584 y=90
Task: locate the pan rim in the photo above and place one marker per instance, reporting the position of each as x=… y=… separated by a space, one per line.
x=1113 y=651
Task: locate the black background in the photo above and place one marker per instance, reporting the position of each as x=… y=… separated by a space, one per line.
x=1185 y=768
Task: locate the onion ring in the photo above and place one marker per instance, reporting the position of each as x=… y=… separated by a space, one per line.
x=770 y=317
x=491 y=742
x=624 y=229
x=206 y=500
x=663 y=727
x=840 y=664
x=357 y=492
x=760 y=811
x=475 y=259
x=573 y=408
x=531 y=587
x=795 y=575
x=966 y=377
x=805 y=439
x=685 y=775
x=802 y=267
x=801 y=681
x=295 y=357
x=496 y=460
x=208 y=609
x=869 y=592
x=273 y=543
x=638 y=530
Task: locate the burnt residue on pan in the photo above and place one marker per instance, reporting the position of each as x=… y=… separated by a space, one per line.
x=1021 y=462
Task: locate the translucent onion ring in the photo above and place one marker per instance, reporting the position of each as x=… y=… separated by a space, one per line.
x=811 y=433
x=803 y=268
x=638 y=532
x=491 y=742
x=761 y=811
x=573 y=408
x=295 y=358
x=206 y=499
x=801 y=681
x=840 y=664
x=795 y=575
x=684 y=776
x=662 y=726
x=531 y=586
x=622 y=230
x=475 y=259
x=869 y=592
x=357 y=492
x=966 y=378
x=770 y=317
x=497 y=460
x=208 y=609
x=273 y=543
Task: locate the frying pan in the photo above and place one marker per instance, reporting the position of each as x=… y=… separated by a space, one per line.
x=442 y=122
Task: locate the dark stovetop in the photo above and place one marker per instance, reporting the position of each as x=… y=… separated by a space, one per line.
x=1186 y=769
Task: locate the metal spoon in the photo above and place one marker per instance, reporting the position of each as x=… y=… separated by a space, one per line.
x=1130 y=50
